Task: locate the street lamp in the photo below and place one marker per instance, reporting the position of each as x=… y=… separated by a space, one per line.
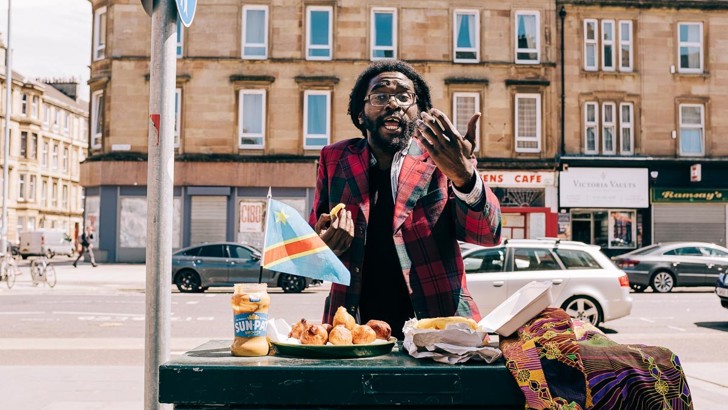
x=6 y=136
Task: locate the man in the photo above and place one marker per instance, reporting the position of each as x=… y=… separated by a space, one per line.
x=408 y=200
x=86 y=237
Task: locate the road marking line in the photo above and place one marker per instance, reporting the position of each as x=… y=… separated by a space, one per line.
x=647 y=320
x=676 y=328
x=55 y=312
x=21 y=313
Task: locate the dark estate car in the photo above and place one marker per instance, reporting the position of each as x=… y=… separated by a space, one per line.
x=663 y=266
x=721 y=289
x=199 y=267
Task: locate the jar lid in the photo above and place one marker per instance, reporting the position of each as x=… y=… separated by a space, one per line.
x=250 y=287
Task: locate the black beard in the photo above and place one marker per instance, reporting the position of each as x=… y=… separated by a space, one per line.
x=387 y=144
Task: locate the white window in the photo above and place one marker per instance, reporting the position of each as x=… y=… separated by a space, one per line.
x=625 y=45
x=97 y=118
x=31 y=188
x=528 y=38
x=464 y=105
x=528 y=122
x=626 y=128
x=21 y=187
x=316 y=119
x=46 y=115
x=608 y=45
x=608 y=128
x=34 y=106
x=54 y=157
x=384 y=33
x=54 y=195
x=56 y=119
x=44 y=155
x=64 y=159
x=24 y=104
x=64 y=196
x=33 y=149
x=23 y=144
x=690 y=47
x=31 y=223
x=99 y=33
x=180 y=38
x=252 y=119
x=177 y=116
x=591 y=128
x=466 y=36
x=64 y=117
x=591 y=33
x=44 y=193
x=319 y=36
x=692 y=130
x=255 y=32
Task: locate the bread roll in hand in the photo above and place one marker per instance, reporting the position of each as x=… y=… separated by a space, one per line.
x=314 y=335
x=381 y=328
x=363 y=334
x=340 y=335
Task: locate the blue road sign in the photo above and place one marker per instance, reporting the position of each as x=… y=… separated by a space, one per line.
x=186 y=9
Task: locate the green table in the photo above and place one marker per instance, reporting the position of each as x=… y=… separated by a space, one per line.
x=208 y=377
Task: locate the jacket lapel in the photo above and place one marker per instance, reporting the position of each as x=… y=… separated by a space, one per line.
x=354 y=164
x=414 y=178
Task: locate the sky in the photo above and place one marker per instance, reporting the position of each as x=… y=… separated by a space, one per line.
x=50 y=38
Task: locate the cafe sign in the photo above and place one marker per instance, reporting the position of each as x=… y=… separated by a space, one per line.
x=689 y=195
x=523 y=179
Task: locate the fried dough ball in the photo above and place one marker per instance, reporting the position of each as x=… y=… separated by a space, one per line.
x=342 y=317
x=363 y=334
x=314 y=335
x=297 y=329
x=340 y=335
x=327 y=326
x=381 y=328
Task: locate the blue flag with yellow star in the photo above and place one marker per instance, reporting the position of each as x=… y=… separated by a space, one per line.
x=292 y=246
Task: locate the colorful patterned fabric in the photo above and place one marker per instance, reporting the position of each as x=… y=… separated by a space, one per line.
x=427 y=219
x=560 y=364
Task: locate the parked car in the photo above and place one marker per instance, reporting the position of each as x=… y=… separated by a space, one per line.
x=663 y=266
x=197 y=268
x=721 y=289
x=585 y=283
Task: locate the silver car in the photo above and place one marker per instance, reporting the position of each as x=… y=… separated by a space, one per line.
x=663 y=266
x=199 y=267
x=585 y=283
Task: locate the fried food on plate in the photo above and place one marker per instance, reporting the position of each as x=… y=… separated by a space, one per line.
x=342 y=317
x=363 y=334
x=314 y=335
x=297 y=329
x=440 y=323
x=340 y=335
x=381 y=328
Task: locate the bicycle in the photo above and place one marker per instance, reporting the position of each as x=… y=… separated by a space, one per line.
x=8 y=270
x=42 y=271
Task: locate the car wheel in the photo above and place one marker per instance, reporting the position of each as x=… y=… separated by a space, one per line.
x=188 y=281
x=292 y=283
x=583 y=308
x=662 y=282
x=638 y=288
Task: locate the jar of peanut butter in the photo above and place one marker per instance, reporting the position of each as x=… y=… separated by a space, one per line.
x=250 y=308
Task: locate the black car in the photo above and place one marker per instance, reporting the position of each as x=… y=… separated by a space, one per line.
x=199 y=267
x=721 y=289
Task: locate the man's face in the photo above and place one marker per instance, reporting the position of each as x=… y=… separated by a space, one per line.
x=390 y=126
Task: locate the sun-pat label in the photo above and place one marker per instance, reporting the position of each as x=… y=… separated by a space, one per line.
x=251 y=324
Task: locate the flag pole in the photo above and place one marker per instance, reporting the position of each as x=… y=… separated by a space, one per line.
x=265 y=236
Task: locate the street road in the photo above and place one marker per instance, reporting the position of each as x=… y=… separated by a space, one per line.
x=84 y=339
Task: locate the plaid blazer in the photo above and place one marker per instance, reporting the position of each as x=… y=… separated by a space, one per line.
x=428 y=218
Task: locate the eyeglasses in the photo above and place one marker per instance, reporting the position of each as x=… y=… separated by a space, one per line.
x=382 y=99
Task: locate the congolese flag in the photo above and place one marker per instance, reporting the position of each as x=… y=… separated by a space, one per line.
x=292 y=246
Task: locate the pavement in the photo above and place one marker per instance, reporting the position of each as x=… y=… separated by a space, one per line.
x=121 y=387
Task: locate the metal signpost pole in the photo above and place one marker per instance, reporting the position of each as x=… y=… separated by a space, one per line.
x=6 y=136
x=160 y=180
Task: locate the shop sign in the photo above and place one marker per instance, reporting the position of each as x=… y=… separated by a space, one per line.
x=250 y=216
x=525 y=179
x=689 y=195
x=604 y=188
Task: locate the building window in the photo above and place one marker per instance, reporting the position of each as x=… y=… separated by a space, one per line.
x=608 y=128
x=528 y=122
x=33 y=150
x=180 y=38
x=31 y=223
x=255 y=32
x=44 y=193
x=590 y=44
x=319 y=37
x=690 y=47
x=64 y=159
x=692 y=130
x=464 y=106
x=466 y=36
x=100 y=33
x=177 y=116
x=46 y=115
x=527 y=37
x=626 y=128
x=21 y=187
x=34 y=106
x=23 y=144
x=64 y=197
x=54 y=195
x=64 y=117
x=252 y=119
x=31 y=188
x=57 y=119
x=316 y=119
x=591 y=128
x=608 y=45
x=625 y=45
x=23 y=104
x=54 y=157
x=384 y=33
x=97 y=119
x=44 y=154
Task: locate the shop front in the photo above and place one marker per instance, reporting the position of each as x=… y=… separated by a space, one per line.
x=689 y=214
x=528 y=202
x=604 y=206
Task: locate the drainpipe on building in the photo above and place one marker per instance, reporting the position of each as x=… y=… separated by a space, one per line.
x=562 y=149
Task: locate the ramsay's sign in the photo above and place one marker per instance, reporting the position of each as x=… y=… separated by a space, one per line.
x=604 y=187
x=689 y=195
x=525 y=179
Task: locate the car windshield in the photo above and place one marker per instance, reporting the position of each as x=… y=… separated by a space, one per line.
x=574 y=259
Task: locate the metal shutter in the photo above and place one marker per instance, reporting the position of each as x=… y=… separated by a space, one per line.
x=690 y=222
x=209 y=219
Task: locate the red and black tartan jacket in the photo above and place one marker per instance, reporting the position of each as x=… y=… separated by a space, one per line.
x=428 y=218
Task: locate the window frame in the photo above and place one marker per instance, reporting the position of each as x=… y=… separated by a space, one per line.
x=373 y=33
x=593 y=124
x=626 y=125
x=537 y=50
x=476 y=49
x=539 y=123
x=180 y=45
x=177 y=116
x=609 y=125
x=605 y=43
x=99 y=47
x=23 y=144
x=629 y=43
x=681 y=44
x=455 y=115
x=306 y=135
x=241 y=108
x=330 y=44
x=31 y=188
x=96 y=137
x=34 y=103
x=21 y=186
x=24 y=104
x=701 y=127
x=264 y=45
x=591 y=42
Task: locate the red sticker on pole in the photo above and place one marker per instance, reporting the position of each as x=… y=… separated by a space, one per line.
x=156 y=119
